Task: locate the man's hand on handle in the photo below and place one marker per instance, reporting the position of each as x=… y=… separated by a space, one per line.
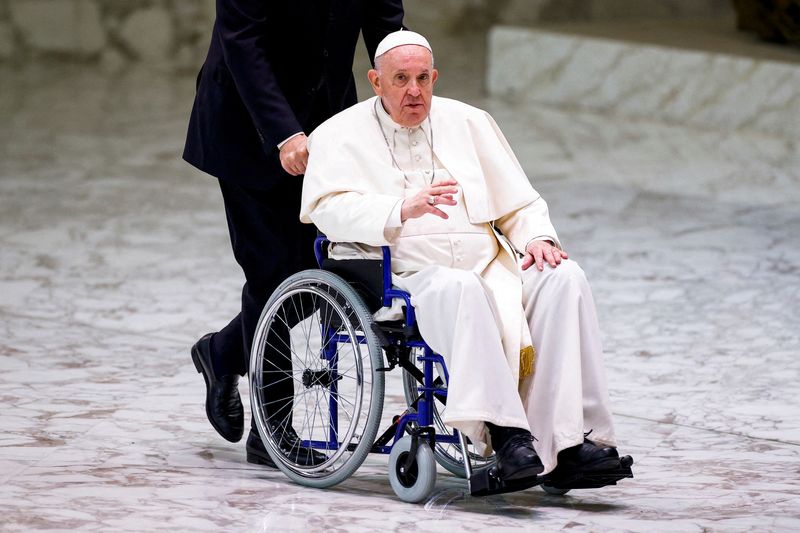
x=540 y=251
x=294 y=155
x=426 y=200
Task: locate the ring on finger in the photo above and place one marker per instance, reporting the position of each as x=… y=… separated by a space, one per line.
x=431 y=200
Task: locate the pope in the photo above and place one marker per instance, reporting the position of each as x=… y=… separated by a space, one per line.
x=471 y=240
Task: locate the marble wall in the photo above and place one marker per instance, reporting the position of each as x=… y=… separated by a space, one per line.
x=174 y=33
x=162 y=33
x=697 y=88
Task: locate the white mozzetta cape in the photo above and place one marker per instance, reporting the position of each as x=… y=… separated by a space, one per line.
x=352 y=186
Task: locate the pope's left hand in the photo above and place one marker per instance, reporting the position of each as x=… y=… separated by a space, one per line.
x=540 y=251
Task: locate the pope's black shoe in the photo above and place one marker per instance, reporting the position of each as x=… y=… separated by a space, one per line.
x=289 y=444
x=588 y=457
x=516 y=458
x=589 y=466
x=223 y=403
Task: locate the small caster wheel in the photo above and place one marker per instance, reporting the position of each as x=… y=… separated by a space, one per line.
x=549 y=489
x=415 y=484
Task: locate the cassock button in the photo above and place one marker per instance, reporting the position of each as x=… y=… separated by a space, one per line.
x=414 y=143
x=418 y=157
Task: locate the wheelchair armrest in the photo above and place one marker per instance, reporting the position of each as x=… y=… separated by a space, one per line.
x=372 y=278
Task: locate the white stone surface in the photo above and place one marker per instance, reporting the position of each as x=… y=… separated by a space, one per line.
x=115 y=258
x=64 y=26
x=149 y=34
x=701 y=89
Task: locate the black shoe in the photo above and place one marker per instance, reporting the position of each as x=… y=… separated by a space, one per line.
x=609 y=449
x=588 y=457
x=589 y=466
x=223 y=404
x=256 y=453
x=289 y=444
x=516 y=458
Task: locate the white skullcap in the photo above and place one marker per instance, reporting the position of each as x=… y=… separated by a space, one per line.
x=401 y=38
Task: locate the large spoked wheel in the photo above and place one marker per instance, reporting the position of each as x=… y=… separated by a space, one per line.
x=447 y=455
x=415 y=483
x=313 y=373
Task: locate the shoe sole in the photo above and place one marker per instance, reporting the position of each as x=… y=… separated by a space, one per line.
x=598 y=474
x=201 y=369
x=258 y=457
x=591 y=480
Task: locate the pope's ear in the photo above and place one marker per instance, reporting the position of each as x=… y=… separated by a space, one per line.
x=434 y=76
x=375 y=81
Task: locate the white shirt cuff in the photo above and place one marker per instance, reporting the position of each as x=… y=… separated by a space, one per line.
x=287 y=139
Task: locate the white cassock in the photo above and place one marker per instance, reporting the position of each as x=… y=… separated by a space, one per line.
x=474 y=305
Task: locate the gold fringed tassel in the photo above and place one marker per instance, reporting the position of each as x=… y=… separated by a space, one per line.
x=527 y=356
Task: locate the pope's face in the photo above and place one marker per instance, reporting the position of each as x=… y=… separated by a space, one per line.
x=404 y=82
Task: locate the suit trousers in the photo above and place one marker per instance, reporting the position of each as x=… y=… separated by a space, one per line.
x=270 y=244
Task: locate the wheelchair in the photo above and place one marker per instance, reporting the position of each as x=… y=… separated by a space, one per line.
x=318 y=366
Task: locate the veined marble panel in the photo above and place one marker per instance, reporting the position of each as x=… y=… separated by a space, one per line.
x=701 y=89
x=735 y=166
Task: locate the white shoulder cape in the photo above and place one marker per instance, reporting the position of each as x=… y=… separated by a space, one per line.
x=351 y=186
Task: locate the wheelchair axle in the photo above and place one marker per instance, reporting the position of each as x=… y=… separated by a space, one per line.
x=323 y=378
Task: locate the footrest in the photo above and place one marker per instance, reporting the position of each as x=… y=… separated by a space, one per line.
x=591 y=480
x=485 y=482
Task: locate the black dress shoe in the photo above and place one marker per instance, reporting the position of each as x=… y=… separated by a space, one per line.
x=289 y=444
x=610 y=449
x=223 y=404
x=516 y=458
x=589 y=466
x=256 y=453
x=587 y=457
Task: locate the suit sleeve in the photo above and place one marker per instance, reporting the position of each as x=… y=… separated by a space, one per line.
x=243 y=28
x=382 y=17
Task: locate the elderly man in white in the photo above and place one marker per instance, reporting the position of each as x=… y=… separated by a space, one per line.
x=471 y=241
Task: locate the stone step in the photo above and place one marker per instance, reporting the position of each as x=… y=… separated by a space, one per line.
x=704 y=89
x=584 y=148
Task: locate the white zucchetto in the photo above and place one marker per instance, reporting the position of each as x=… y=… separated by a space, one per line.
x=401 y=38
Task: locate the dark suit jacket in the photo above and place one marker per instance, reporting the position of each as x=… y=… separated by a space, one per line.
x=274 y=68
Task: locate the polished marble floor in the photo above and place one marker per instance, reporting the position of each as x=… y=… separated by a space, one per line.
x=114 y=259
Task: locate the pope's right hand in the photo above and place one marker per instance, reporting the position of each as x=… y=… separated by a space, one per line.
x=426 y=200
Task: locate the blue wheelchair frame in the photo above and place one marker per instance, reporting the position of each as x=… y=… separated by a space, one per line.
x=424 y=415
